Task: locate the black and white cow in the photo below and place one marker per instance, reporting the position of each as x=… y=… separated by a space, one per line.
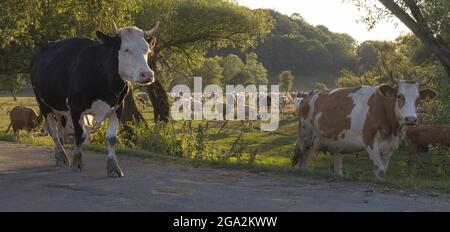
x=79 y=76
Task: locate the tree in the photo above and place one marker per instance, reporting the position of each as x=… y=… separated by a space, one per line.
x=390 y=59
x=232 y=65
x=428 y=20
x=257 y=69
x=211 y=72
x=190 y=27
x=320 y=86
x=286 y=79
x=243 y=77
x=369 y=54
x=26 y=25
x=13 y=83
x=16 y=43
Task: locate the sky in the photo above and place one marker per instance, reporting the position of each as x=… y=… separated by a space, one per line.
x=336 y=15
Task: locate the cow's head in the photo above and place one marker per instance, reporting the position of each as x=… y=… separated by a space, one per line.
x=407 y=95
x=134 y=45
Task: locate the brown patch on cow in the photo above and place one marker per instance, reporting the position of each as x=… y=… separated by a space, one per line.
x=380 y=118
x=304 y=107
x=304 y=110
x=335 y=109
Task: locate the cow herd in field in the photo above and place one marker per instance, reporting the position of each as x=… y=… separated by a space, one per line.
x=78 y=80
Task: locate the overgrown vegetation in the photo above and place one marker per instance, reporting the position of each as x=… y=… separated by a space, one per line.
x=181 y=139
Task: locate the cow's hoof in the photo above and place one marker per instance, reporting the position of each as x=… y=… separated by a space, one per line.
x=61 y=159
x=77 y=163
x=114 y=169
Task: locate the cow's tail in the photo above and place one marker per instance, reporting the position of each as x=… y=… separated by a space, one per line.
x=9 y=127
x=296 y=155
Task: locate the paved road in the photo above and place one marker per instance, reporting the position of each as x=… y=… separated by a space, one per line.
x=29 y=181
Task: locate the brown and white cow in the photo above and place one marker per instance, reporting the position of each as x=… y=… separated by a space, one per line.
x=23 y=118
x=420 y=136
x=347 y=120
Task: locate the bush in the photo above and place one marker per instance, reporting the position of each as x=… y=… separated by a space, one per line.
x=438 y=110
x=184 y=141
x=164 y=138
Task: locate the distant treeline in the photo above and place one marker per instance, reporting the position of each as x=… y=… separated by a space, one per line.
x=311 y=52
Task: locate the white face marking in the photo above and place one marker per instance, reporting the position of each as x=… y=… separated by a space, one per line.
x=133 y=56
x=409 y=92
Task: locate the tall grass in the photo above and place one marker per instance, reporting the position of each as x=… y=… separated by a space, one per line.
x=182 y=140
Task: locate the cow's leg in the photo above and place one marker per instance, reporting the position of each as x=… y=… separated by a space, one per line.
x=60 y=154
x=385 y=160
x=337 y=164
x=77 y=163
x=61 y=128
x=378 y=166
x=413 y=151
x=112 y=164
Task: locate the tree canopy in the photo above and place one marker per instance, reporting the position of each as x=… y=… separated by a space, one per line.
x=427 y=19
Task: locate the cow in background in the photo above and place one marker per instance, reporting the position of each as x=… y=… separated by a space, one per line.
x=348 y=120
x=23 y=118
x=420 y=136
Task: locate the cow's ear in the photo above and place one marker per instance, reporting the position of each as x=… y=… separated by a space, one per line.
x=427 y=94
x=387 y=91
x=108 y=40
x=151 y=42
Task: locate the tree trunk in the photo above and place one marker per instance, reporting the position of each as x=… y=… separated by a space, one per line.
x=160 y=101
x=131 y=111
x=158 y=95
x=419 y=27
x=13 y=94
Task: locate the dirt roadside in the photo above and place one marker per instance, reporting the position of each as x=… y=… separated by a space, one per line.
x=29 y=181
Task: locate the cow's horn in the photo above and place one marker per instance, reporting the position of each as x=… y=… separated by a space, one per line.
x=424 y=83
x=151 y=32
x=114 y=28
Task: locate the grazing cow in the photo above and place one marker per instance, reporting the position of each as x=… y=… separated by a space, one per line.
x=23 y=118
x=284 y=101
x=79 y=76
x=420 y=136
x=348 y=120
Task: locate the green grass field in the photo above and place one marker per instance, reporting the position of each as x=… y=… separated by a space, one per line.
x=274 y=151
